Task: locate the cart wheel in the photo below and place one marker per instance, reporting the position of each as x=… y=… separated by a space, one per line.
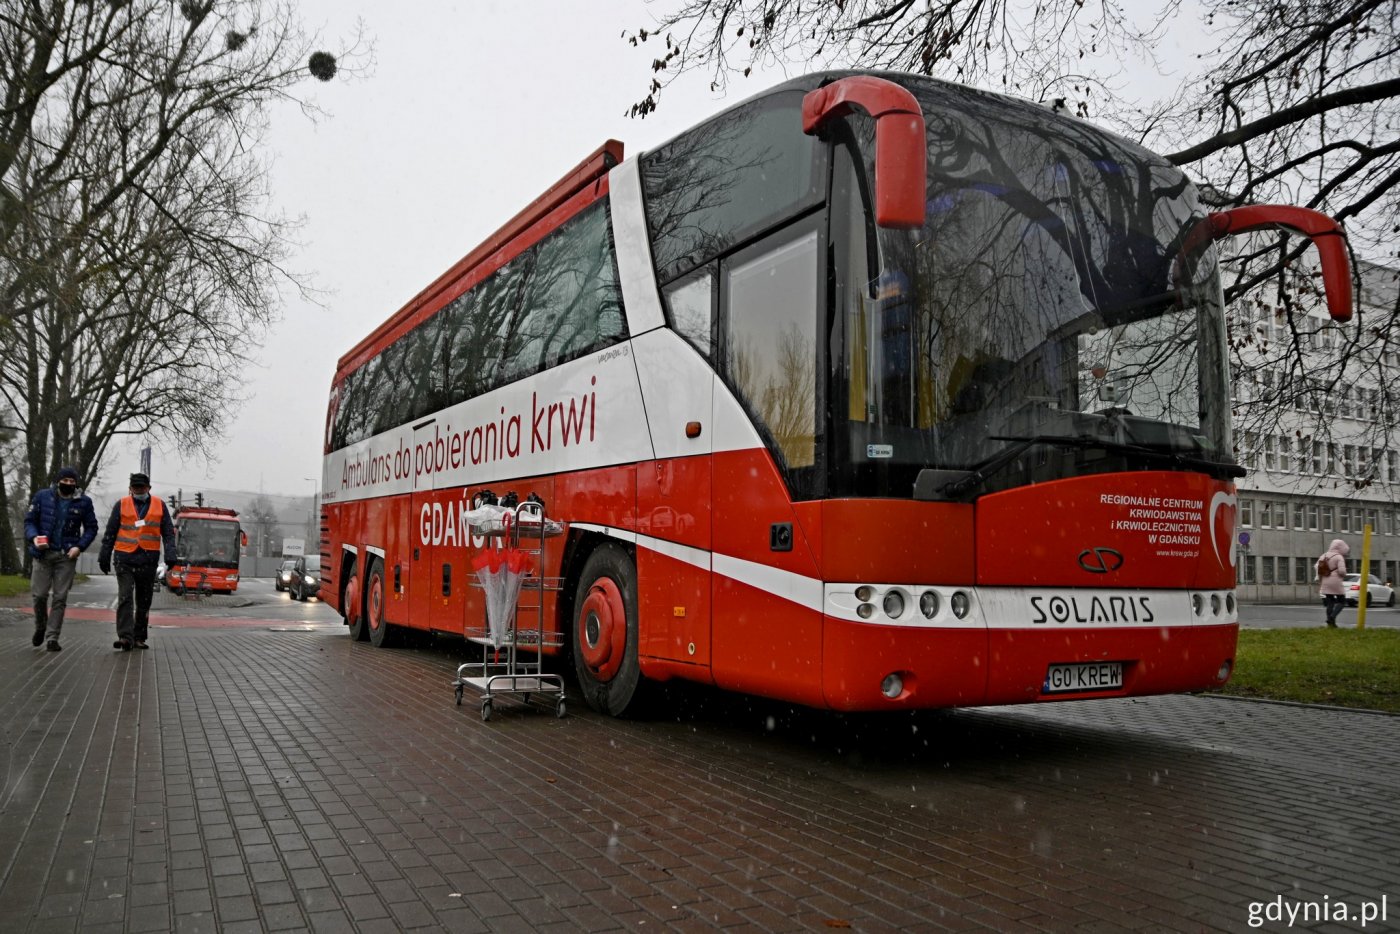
x=459 y=695
x=559 y=709
x=486 y=709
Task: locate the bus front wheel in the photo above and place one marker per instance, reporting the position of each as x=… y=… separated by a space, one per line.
x=605 y=631
x=381 y=634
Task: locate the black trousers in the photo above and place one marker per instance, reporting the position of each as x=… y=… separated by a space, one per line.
x=1333 y=604
x=135 y=586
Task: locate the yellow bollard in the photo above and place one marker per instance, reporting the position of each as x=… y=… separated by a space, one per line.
x=1364 y=594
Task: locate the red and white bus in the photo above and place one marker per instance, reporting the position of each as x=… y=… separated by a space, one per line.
x=870 y=393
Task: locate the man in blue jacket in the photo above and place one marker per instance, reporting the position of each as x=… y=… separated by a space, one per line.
x=59 y=526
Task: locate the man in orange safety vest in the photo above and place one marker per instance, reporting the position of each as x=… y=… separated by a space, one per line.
x=137 y=530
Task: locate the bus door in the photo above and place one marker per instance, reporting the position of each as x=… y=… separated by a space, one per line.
x=674 y=492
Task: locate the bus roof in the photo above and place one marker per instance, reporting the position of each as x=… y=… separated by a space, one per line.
x=206 y=512
x=592 y=168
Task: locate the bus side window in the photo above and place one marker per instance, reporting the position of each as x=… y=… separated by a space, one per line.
x=690 y=304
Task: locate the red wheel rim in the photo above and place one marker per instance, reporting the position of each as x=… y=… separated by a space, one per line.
x=376 y=602
x=602 y=629
x=352 y=599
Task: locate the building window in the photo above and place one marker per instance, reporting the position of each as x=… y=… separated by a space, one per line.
x=1373 y=519
x=1247 y=569
x=1302 y=567
x=1312 y=516
x=1266 y=514
x=1299 y=521
x=1348 y=460
x=1282 y=571
x=1392 y=467
x=1285 y=454
x=1247 y=512
x=1317 y=458
x=1327 y=524
x=1270 y=453
x=1266 y=568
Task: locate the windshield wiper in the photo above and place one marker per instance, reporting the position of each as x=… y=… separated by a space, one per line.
x=980 y=474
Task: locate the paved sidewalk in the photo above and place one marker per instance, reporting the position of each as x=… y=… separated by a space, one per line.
x=251 y=779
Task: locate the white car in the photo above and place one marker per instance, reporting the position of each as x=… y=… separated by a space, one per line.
x=1379 y=594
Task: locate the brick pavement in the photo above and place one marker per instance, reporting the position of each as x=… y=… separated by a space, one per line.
x=248 y=779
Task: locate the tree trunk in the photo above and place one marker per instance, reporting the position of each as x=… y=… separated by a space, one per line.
x=9 y=554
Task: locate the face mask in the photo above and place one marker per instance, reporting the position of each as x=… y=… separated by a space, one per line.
x=67 y=490
x=140 y=497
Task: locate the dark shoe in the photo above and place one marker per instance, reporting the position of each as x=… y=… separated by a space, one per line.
x=141 y=645
x=38 y=639
x=1332 y=623
x=54 y=646
x=123 y=644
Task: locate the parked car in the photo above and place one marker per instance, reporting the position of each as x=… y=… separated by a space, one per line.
x=1379 y=594
x=282 y=580
x=306 y=577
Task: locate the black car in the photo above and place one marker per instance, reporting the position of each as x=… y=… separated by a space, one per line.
x=282 y=580
x=306 y=577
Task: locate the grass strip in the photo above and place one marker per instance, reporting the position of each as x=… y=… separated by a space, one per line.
x=1344 y=667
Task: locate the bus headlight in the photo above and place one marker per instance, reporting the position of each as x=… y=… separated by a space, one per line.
x=865 y=610
x=894 y=604
x=865 y=593
x=1215 y=604
x=892 y=686
x=1198 y=604
x=928 y=604
x=1230 y=603
x=961 y=604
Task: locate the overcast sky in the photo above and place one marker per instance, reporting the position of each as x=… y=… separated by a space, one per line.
x=470 y=111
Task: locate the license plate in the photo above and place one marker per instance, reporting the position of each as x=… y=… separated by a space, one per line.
x=1091 y=676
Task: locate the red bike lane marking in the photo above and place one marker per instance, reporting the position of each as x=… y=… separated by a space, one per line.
x=168 y=620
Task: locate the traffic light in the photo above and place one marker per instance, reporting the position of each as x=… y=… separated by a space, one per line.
x=199 y=499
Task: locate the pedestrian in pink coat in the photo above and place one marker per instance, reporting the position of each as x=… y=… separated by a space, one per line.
x=1332 y=585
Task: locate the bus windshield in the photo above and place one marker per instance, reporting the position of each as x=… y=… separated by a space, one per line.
x=1055 y=291
x=208 y=543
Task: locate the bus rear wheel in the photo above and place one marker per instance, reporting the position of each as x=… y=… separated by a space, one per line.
x=354 y=611
x=605 y=631
x=381 y=632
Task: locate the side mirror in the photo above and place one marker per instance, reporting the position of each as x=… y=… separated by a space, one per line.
x=1324 y=232
x=901 y=159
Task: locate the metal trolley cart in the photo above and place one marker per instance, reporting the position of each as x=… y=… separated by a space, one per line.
x=512 y=659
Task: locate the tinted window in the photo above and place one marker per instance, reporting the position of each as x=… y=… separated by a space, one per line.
x=554 y=302
x=728 y=180
x=770 y=345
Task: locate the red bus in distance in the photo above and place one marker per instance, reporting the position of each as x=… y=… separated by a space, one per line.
x=208 y=542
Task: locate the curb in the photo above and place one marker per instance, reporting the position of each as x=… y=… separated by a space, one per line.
x=1288 y=703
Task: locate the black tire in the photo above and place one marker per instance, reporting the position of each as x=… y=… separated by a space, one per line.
x=381 y=633
x=359 y=625
x=604 y=632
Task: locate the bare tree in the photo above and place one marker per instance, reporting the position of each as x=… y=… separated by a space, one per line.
x=139 y=260
x=260 y=520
